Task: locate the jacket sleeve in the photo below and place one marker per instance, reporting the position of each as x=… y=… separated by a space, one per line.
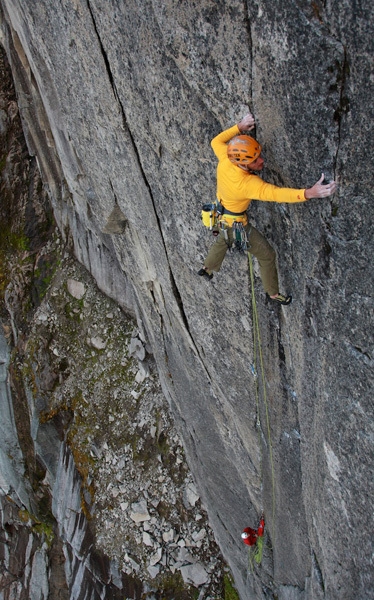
x=219 y=143
x=257 y=189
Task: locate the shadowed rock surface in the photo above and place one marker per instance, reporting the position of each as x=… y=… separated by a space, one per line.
x=119 y=105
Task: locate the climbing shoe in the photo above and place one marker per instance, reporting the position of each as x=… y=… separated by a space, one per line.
x=281 y=299
x=204 y=273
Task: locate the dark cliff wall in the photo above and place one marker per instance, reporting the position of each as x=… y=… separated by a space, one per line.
x=119 y=103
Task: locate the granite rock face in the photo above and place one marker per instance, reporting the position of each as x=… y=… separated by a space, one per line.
x=86 y=434
x=119 y=104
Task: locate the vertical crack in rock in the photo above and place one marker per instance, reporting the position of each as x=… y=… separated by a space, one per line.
x=105 y=57
x=174 y=287
x=318 y=572
x=343 y=71
x=179 y=301
x=344 y=105
x=250 y=48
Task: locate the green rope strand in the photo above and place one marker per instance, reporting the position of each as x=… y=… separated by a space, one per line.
x=257 y=344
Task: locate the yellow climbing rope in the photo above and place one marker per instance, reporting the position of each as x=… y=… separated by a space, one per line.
x=257 y=350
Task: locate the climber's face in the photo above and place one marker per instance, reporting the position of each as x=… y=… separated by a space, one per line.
x=256 y=165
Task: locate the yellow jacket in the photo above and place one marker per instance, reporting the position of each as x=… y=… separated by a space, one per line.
x=236 y=188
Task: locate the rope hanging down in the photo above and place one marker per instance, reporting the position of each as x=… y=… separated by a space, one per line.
x=257 y=352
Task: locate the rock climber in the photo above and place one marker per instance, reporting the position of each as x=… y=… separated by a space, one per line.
x=249 y=535
x=239 y=161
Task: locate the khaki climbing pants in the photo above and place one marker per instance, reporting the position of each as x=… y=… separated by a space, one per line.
x=258 y=246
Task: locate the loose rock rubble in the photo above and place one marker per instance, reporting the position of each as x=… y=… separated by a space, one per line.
x=93 y=369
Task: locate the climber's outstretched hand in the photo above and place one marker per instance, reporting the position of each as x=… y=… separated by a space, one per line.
x=247 y=123
x=321 y=190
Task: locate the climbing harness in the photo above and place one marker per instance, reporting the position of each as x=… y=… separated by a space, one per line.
x=227 y=218
x=218 y=218
x=258 y=373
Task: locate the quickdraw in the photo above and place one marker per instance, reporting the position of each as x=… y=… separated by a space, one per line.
x=240 y=242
